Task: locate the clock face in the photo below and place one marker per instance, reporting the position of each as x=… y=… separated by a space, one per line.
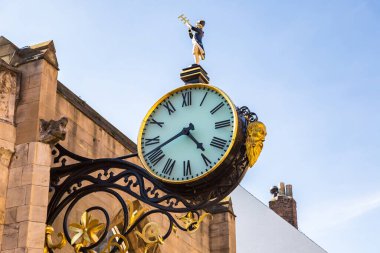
x=188 y=133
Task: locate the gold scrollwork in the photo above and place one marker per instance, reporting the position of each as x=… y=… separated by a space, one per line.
x=256 y=132
x=86 y=232
x=150 y=234
x=49 y=241
x=114 y=242
x=192 y=224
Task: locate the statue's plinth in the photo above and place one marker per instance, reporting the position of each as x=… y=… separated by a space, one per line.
x=194 y=74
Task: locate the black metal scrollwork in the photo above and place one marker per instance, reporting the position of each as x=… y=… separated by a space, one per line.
x=250 y=116
x=71 y=183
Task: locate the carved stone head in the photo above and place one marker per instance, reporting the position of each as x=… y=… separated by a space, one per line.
x=53 y=131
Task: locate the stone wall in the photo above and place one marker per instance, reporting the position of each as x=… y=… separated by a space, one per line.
x=9 y=88
x=27 y=175
x=27 y=198
x=84 y=136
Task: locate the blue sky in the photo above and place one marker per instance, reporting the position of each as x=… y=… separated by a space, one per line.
x=309 y=69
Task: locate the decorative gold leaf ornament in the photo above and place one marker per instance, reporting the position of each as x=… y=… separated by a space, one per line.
x=86 y=233
x=192 y=224
x=49 y=241
x=134 y=213
x=150 y=234
x=256 y=132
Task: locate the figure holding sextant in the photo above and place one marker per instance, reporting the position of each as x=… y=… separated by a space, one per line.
x=196 y=34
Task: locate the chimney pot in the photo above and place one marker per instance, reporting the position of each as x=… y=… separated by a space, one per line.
x=289 y=190
x=281 y=189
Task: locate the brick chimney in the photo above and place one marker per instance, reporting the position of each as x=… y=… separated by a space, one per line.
x=284 y=204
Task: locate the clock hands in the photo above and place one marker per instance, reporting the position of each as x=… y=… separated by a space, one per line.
x=184 y=131
x=199 y=145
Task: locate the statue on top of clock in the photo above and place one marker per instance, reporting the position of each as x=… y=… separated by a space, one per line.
x=196 y=34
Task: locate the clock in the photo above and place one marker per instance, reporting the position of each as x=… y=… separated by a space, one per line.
x=190 y=136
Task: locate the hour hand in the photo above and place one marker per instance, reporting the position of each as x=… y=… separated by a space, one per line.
x=199 y=144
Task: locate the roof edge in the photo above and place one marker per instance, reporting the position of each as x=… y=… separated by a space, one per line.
x=291 y=227
x=96 y=117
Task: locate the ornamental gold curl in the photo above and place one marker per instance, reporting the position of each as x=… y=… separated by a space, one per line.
x=256 y=132
x=192 y=224
x=114 y=242
x=150 y=234
x=49 y=241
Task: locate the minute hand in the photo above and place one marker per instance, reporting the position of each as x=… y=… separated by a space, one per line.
x=184 y=131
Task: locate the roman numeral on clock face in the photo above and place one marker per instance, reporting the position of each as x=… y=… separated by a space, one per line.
x=205 y=159
x=186 y=168
x=153 y=141
x=223 y=123
x=216 y=108
x=155 y=156
x=168 y=168
x=203 y=99
x=186 y=98
x=168 y=105
x=218 y=143
x=153 y=121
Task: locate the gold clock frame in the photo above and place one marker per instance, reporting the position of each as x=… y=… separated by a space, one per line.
x=226 y=154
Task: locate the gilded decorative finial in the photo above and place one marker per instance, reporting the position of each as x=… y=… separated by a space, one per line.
x=256 y=132
x=196 y=34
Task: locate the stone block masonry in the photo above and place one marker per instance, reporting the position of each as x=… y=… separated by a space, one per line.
x=28 y=84
x=27 y=198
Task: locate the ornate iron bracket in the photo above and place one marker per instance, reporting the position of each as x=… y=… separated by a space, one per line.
x=115 y=176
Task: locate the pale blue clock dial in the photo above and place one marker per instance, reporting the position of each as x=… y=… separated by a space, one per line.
x=188 y=133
